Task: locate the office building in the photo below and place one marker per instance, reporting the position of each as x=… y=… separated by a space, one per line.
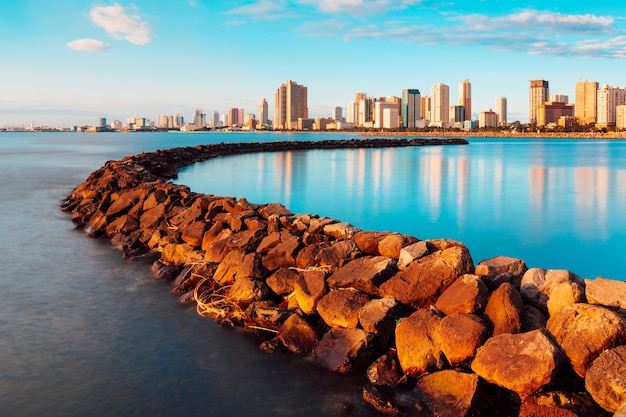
x=199 y=119
x=425 y=107
x=487 y=118
x=214 y=121
x=539 y=94
x=551 y=112
x=233 y=117
x=440 y=105
x=263 y=112
x=457 y=115
x=337 y=113
x=411 y=107
x=620 y=117
x=501 y=111
x=465 y=97
x=559 y=98
x=586 y=101
x=608 y=100
x=386 y=115
x=291 y=104
x=163 y=121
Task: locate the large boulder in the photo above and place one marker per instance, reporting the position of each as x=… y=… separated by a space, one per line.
x=605 y=379
x=367 y=241
x=505 y=310
x=392 y=244
x=450 y=393
x=309 y=288
x=468 y=294
x=418 y=342
x=606 y=292
x=427 y=278
x=412 y=252
x=551 y=290
x=522 y=362
x=461 y=335
x=385 y=371
x=340 y=308
x=584 y=331
x=297 y=335
x=494 y=271
x=365 y=274
x=281 y=281
x=341 y=230
x=379 y=316
x=283 y=255
x=345 y=350
x=337 y=254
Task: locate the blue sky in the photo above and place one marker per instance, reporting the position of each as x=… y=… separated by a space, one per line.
x=67 y=62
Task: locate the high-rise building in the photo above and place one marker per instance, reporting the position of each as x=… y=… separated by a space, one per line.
x=263 y=112
x=364 y=109
x=457 y=114
x=351 y=112
x=224 y=119
x=291 y=104
x=163 y=121
x=559 y=98
x=620 y=120
x=465 y=97
x=179 y=120
x=386 y=115
x=608 y=100
x=586 y=108
x=199 y=118
x=440 y=105
x=233 y=117
x=411 y=107
x=501 y=111
x=425 y=107
x=539 y=93
x=487 y=118
x=337 y=113
x=215 y=119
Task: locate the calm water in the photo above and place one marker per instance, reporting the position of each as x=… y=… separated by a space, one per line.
x=87 y=333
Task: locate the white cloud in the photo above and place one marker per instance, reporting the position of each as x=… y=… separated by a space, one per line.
x=122 y=24
x=88 y=45
x=358 y=6
x=541 y=20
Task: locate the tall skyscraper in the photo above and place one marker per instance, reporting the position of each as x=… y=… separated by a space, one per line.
x=440 y=105
x=465 y=97
x=425 y=107
x=337 y=113
x=608 y=100
x=364 y=109
x=539 y=93
x=586 y=108
x=215 y=119
x=263 y=112
x=291 y=104
x=501 y=110
x=351 y=117
x=233 y=117
x=199 y=118
x=411 y=107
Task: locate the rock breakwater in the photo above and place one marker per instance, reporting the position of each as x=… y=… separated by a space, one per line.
x=434 y=333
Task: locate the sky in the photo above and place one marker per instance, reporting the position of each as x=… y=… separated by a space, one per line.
x=70 y=62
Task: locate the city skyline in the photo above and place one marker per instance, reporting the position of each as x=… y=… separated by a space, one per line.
x=74 y=62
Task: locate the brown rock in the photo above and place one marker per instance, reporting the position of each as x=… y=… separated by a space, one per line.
x=164 y=271
x=193 y=233
x=530 y=409
x=385 y=371
x=212 y=234
x=297 y=335
x=584 y=331
x=551 y=290
x=461 y=335
x=418 y=342
x=522 y=363
x=368 y=241
x=238 y=264
x=124 y=224
x=468 y=294
x=247 y=240
x=219 y=247
x=451 y=393
x=268 y=242
x=392 y=244
x=308 y=256
x=317 y=224
x=273 y=209
x=345 y=350
x=340 y=308
x=338 y=254
x=284 y=254
x=381 y=400
x=533 y=319
x=425 y=279
x=379 y=317
x=180 y=254
x=605 y=379
x=606 y=292
x=412 y=252
x=309 y=288
x=495 y=271
x=245 y=290
x=364 y=274
x=505 y=310
x=188 y=216
x=151 y=218
x=281 y=281
x=341 y=230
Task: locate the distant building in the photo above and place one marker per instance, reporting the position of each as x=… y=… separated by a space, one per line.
x=116 y=125
x=386 y=115
x=351 y=116
x=465 y=97
x=102 y=122
x=162 y=121
x=487 y=118
x=411 y=107
x=440 y=105
x=291 y=104
x=425 y=107
x=199 y=118
x=586 y=101
x=539 y=93
x=337 y=113
x=322 y=123
x=304 y=124
x=214 y=121
x=363 y=110
x=233 y=117
x=179 y=120
x=263 y=112
x=501 y=111
x=558 y=98
x=620 y=117
x=608 y=100
x=551 y=112
x=457 y=114
x=224 y=119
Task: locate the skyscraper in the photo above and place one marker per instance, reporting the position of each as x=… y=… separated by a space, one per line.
x=263 y=112
x=291 y=104
x=539 y=93
x=440 y=105
x=586 y=108
x=465 y=97
x=411 y=103
x=608 y=100
x=233 y=117
x=501 y=110
x=199 y=118
x=337 y=113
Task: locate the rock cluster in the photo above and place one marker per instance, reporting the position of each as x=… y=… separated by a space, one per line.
x=434 y=333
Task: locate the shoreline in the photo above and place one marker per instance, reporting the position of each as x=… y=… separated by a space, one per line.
x=414 y=315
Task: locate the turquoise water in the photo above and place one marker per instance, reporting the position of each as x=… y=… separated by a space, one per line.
x=557 y=204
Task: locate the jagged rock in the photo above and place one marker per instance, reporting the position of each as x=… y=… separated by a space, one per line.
x=228 y=267
x=392 y=244
x=309 y=288
x=345 y=350
x=281 y=281
x=191 y=275
x=522 y=362
x=533 y=319
x=180 y=254
x=505 y=310
x=340 y=308
x=317 y=224
x=193 y=233
x=188 y=216
x=341 y=230
x=125 y=224
x=385 y=371
x=297 y=335
x=214 y=232
x=151 y=218
x=461 y=335
x=605 y=379
x=418 y=342
x=606 y=292
x=367 y=241
x=273 y=209
x=468 y=294
x=247 y=240
x=551 y=290
x=164 y=271
x=450 y=393
x=584 y=331
x=500 y=269
x=284 y=254
x=125 y=201
x=424 y=280
x=269 y=242
x=338 y=254
x=379 y=317
x=412 y=252
x=365 y=274
x=265 y=313
x=246 y=290
x=621 y=411
x=308 y=256
x=217 y=250
x=380 y=400
x=530 y=409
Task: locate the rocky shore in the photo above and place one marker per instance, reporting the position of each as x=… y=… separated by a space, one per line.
x=434 y=333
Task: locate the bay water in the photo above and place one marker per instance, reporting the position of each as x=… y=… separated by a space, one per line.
x=84 y=332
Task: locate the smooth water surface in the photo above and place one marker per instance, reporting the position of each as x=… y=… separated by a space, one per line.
x=557 y=204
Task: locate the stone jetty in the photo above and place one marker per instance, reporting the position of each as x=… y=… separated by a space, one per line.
x=432 y=333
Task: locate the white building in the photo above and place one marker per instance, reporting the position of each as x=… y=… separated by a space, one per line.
x=487 y=118
x=440 y=105
x=263 y=112
x=386 y=115
x=608 y=100
x=501 y=111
